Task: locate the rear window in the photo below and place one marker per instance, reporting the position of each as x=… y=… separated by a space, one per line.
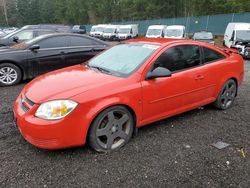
x=211 y=55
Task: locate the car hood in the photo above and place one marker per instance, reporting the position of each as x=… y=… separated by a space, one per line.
x=66 y=83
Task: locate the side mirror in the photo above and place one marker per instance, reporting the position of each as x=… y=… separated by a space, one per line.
x=15 y=39
x=34 y=47
x=158 y=72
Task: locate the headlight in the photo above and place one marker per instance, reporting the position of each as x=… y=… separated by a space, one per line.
x=54 y=110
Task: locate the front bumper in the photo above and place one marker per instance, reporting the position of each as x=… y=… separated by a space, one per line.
x=68 y=132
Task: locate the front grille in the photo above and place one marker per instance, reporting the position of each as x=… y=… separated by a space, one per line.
x=24 y=108
x=25 y=103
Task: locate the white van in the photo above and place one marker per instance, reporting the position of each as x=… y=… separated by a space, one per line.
x=156 y=31
x=237 y=35
x=110 y=32
x=97 y=30
x=175 y=31
x=127 y=32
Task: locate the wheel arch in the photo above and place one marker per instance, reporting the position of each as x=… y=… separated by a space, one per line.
x=224 y=81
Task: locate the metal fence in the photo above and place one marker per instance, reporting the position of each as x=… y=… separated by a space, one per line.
x=214 y=23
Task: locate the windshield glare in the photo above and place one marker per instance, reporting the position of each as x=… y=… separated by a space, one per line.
x=203 y=36
x=173 y=32
x=123 y=59
x=243 y=35
x=154 y=32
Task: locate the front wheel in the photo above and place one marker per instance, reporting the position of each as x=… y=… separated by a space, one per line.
x=112 y=129
x=10 y=74
x=227 y=95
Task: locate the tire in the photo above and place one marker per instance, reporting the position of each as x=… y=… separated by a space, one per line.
x=111 y=129
x=227 y=95
x=10 y=74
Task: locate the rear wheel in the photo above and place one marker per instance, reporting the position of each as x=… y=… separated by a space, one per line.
x=9 y=74
x=112 y=129
x=227 y=95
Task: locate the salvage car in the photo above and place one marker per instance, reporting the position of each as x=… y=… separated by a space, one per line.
x=29 y=32
x=45 y=53
x=22 y=35
x=104 y=100
x=237 y=35
x=204 y=36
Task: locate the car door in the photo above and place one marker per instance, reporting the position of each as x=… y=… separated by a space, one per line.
x=82 y=49
x=50 y=56
x=213 y=68
x=163 y=97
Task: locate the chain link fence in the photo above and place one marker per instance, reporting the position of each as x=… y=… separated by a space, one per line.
x=214 y=23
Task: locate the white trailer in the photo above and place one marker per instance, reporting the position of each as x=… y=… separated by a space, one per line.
x=97 y=30
x=175 y=31
x=156 y=31
x=110 y=32
x=127 y=32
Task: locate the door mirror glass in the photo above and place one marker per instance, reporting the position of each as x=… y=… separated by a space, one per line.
x=15 y=39
x=158 y=72
x=34 y=47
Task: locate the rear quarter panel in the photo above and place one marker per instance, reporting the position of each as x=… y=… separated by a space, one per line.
x=231 y=68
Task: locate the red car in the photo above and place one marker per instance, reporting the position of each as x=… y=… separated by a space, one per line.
x=130 y=85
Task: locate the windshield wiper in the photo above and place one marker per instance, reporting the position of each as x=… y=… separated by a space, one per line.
x=101 y=69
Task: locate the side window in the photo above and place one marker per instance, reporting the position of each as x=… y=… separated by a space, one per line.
x=80 y=41
x=179 y=58
x=54 y=42
x=25 y=35
x=211 y=55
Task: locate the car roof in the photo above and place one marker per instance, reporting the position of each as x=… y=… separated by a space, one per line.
x=70 y=34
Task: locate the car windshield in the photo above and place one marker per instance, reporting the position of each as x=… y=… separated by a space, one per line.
x=203 y=36
x=243 y=35
x=124 y=59
x=109 y=30
x=154 y=32
x=99 y=29
x=173 y=32
x=124 y=30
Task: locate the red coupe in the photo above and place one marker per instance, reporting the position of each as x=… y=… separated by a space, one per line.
x=104 y=100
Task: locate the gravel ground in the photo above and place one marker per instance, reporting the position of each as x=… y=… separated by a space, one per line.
x=175 y=152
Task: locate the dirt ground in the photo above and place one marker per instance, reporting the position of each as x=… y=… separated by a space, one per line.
x=175 y=152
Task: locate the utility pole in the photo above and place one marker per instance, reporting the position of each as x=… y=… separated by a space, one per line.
x=5 y=11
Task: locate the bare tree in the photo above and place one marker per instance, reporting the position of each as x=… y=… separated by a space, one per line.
x=5 y=11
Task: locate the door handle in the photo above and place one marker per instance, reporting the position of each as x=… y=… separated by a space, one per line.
x=199 y=77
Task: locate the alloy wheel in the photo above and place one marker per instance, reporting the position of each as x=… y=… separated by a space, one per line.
x=114 y=129
x=8 y=75
x=228 y=94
